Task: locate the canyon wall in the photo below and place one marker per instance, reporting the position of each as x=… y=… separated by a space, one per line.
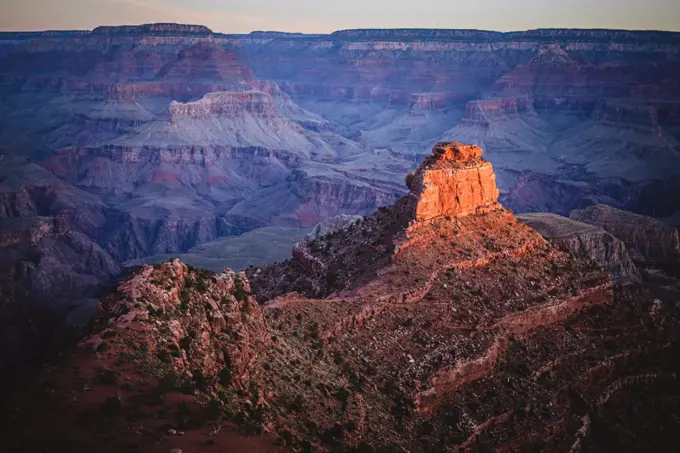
x=154 y=139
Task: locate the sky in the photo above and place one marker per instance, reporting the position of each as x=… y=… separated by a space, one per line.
x=323 y=16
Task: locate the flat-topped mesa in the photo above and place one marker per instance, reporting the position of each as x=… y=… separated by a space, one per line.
x=453 y=181
x=159 y=28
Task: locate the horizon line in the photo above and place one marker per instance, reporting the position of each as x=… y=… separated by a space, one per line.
x=84 y=30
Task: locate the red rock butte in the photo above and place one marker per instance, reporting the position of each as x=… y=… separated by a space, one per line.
x=453 y=181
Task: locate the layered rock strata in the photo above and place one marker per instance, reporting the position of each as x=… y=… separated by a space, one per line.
x=455 y=327
x=647 y=239
x=581 y=239
x=453 y=181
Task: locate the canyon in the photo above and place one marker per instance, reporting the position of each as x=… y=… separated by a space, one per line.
x=186 y=136
x=229 y=133
x=438 y=323
x=132 y=145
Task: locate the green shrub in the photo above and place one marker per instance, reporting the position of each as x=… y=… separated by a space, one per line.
x=201 y=286
x=239 y=291
x=164 y=356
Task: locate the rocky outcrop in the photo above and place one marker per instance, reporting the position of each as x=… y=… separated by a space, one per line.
x=437 y=303
x=454 y=181
x=227 y=103
x=648 y=240
x=205 y=305
x=332 y=225
x=584 y=240
x=177 y=329
x=428 y=333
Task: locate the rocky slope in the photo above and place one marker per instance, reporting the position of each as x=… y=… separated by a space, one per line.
x=50 y=276
x=459 y=329
x=186 y=145
x=164 y=336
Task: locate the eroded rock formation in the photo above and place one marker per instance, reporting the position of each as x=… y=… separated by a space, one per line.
x=582 y=239
x=229 y=104
x=466 y=329
x=462 y=329
x=647 y=239
x=453 y=181
x=332 y=225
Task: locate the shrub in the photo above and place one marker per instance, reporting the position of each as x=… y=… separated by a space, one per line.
x=213 y=409
x=183 y=415
x=239 y=291
x=170 y=381
x=201 y=286
x=337 y=358
x=164 y=356
x=200 y=380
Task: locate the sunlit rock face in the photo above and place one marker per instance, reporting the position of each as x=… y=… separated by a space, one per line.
x=453 y=181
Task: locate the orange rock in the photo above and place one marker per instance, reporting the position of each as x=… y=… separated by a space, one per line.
x=456 y=151
x=454 y=181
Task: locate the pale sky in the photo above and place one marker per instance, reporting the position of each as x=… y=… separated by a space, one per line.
x=323 y=16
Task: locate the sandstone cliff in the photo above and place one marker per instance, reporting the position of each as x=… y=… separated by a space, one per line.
x=228 y=104
x=157 y=28
x=454 y=181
